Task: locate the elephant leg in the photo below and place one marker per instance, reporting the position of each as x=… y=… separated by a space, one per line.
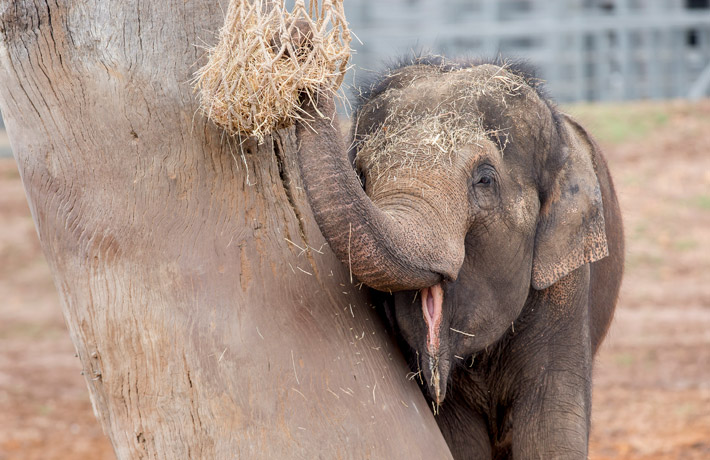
x=549 y=363
x=464 y=428
x=553 y=421
x=552 y=405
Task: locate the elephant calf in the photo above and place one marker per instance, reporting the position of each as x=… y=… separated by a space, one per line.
x=492 y=219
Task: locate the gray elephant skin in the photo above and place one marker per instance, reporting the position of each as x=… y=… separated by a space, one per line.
x=490 y=220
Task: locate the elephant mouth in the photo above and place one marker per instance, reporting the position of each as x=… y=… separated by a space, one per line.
x=432 y=302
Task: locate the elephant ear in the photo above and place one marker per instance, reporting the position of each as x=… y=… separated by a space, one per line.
x=570 y=231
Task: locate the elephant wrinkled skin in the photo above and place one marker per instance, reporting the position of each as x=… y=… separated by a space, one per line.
x=491 y=219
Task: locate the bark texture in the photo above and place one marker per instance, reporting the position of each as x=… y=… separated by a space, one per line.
x=209 y=317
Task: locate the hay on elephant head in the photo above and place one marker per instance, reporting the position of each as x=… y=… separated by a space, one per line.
x=255 y=74
x=419 y=132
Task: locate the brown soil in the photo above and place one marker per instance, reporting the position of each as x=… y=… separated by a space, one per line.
x=652 y=380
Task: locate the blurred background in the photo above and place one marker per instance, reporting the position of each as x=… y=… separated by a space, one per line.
x=636 y=73
x=586 y=50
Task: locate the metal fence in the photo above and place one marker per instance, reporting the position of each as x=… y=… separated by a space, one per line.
x=586 y=50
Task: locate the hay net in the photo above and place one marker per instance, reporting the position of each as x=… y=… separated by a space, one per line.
x=255 y=74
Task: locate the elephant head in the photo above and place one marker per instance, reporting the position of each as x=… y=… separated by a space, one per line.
x=477 y=193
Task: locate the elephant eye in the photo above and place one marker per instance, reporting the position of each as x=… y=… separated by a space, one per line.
x=485 y=176
x=485 y=180
x=484 y=189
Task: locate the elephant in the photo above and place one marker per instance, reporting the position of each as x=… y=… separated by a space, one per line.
x=488 y=220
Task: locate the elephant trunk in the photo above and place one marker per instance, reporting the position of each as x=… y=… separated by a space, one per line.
x=384 y=252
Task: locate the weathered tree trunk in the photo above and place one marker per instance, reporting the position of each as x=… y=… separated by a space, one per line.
x=210 y=319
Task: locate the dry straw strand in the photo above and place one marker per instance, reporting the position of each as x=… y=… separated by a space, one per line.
x=255 y=74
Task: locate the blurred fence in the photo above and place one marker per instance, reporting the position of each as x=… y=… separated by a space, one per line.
x=586 y=50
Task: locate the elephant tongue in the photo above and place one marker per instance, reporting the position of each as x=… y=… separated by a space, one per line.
x=432 y=300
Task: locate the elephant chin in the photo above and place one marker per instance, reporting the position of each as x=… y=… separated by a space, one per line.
x=436 y=374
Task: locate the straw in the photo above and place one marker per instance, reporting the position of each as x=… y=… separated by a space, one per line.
x=268 y=58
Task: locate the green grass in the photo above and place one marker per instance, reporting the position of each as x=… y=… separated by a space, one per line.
x=643 y=261
x=618 y=123
x=686 y=244
x=686 y=409
x=44 y=409
x=701 y=202
x=624 y=359
x=640 y=231
x=632 y=180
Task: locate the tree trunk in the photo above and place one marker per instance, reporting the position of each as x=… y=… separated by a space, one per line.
x=210 y=318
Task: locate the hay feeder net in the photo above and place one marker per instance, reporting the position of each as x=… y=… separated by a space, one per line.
x=256 y=72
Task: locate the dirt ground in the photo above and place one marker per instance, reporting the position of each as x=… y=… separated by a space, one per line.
x=652 y=378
